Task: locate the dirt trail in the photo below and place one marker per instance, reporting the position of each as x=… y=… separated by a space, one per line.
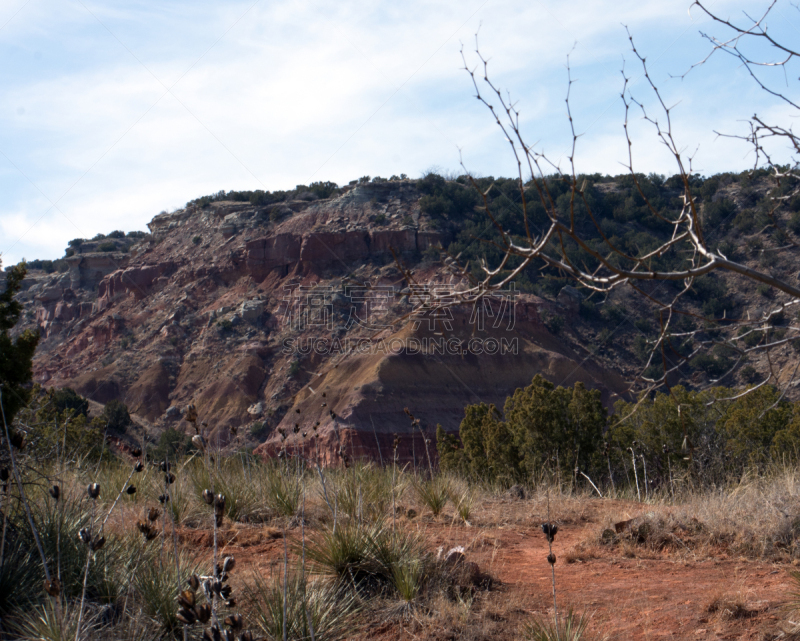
x=651 y=595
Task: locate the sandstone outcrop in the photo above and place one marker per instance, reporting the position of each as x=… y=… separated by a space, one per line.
x=252 y=312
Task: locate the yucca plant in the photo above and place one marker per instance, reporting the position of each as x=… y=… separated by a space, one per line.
x=52 y=621
x=229 y=479
x=364 y=492
x=344 y=553
x=281 y=488
x=399 y=555
x=432 y=493
x=59 y=523
x=462 y=497
x=309 y=605
x=156 y=587
x=407 y=578
x=20 y=571
x=371 y=558
x=571 y=627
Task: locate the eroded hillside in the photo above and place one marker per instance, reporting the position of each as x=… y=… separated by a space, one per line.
x=277 y=317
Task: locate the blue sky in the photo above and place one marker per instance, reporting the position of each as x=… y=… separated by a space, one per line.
x=112 y=112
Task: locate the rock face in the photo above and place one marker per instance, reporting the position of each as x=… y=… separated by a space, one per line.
x=86 y=271
x=252 y=313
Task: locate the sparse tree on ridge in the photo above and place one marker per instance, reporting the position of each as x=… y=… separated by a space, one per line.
x=571 y=240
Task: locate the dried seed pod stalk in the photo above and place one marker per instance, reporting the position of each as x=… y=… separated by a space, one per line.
x=219 y=508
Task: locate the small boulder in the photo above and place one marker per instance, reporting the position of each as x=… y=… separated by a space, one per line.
x=251 y=310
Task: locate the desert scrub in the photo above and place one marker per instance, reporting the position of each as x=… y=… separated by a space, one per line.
x=52 y=621
x=572 y=627
x=280 y=486
x=180 y=505
x=462 y=496
x=362 y=555
x=373 y=560
x=156 y=586
x=231 y=478
x=364 y=491
x=432 y=493
x=309 y=605
x=754 y=518
x=59 y=523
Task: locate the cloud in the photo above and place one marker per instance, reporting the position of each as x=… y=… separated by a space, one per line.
x=119 y=111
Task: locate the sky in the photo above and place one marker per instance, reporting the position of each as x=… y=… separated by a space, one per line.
x=113 y=112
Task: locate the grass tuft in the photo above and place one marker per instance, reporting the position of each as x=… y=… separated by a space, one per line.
x=570 y=627
x=433 y=493
x=329 y=610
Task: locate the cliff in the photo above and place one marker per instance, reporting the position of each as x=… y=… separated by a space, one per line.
x=289 y=319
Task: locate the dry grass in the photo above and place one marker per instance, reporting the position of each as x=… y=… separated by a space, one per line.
x=756 y=518
x=731 y=605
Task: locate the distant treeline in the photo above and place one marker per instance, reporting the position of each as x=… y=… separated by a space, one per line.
x=703 y=438
x=320 y=189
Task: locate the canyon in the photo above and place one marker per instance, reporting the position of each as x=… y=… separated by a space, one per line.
x=297 y=324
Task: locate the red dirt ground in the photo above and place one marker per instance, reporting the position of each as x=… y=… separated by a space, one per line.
x=633 y=594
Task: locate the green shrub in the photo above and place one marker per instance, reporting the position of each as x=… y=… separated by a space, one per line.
x=257 y=428
x=716 y=215
x=116 y=416
x=748 y=374
x=613 y=314
x=554 y=323
x=197 y=239
x=544 y=429
x=751 y=336
x=714 y=367
x=794 y=222
x=16 y=363
x=172 y=444
x=67 y=398
x=62 y=434
x=603 y=336
x=108 y=246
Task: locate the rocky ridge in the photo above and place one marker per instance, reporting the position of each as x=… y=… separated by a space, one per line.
x=290 y=320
